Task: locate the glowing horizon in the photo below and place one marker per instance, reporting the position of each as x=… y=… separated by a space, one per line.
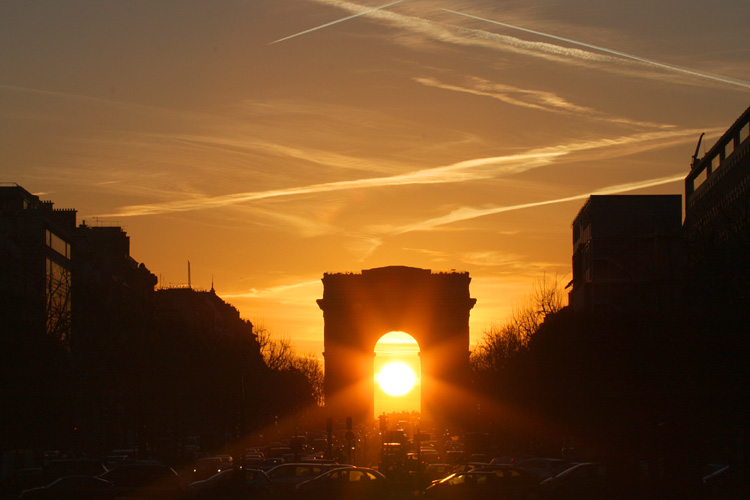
x=269 y=143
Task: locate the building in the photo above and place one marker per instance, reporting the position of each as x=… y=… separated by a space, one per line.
x=106 y=278
x=35 y=320
x=627 y=253
x=113 y=299
x=717 y=189
x=717 y=222
x=35 y=264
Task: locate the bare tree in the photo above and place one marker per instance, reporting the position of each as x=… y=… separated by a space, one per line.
x=309 y=366
x=278 y=353
x=501 y=343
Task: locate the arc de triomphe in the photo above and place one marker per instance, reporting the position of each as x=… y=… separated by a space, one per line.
x=433 y=308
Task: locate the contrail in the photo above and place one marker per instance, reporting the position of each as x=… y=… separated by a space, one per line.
x=468 y=213
x=718 y=78
x=336 y=22
x=463 y=171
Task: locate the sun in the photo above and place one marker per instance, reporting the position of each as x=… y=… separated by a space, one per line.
x=396 y=379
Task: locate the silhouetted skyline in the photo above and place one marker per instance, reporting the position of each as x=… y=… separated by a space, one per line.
x=435 y=134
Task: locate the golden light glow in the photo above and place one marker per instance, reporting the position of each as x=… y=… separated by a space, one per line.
x=402 y=348
x=396 y=379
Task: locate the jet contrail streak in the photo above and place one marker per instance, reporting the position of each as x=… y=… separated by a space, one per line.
x=468 y=213
x=718 y=78
x=336 y=22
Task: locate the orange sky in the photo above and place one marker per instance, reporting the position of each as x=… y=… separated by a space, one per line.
x=436 y=134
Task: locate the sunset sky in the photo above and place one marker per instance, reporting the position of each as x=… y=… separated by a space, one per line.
x=271 y=141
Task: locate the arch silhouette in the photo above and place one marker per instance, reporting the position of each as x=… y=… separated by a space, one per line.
x=434 y=308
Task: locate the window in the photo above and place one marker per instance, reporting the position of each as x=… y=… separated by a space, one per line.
x=461 y=479
x=700 y=179
x=337 y=475
x=729 y=148
x=58 y=300
x=745 y=132
x=303 y=471
x=58 y=244
x=715 y=162
x=357 y=475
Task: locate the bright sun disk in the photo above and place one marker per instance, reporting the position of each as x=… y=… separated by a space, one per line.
x=396 y=379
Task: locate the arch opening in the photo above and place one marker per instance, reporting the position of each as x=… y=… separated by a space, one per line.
x=397 y=374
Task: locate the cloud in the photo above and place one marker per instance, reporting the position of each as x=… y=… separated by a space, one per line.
x=533 y=99
x=600 y=57
x=493 y=259
x=470 y=37
x=668 y=67
x=477 y=169
x=464 y=171
x=299 y=289
x=301 y=226
x=468 y=213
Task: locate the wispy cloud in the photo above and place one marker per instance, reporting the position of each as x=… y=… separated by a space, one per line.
x=660 y=65
x=468 y=213
x=492 y=258
x=587 y=55
x=277 y=291
x=533 y=99
x=300 y=226
x=482 y=168
x=509 y=263
x=464 y=171
x=471 y=37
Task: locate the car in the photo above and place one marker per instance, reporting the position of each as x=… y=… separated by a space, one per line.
x=150 y=480
x=429 y=455
x=226 y=461
x=499 y=483
x=205 y=468
x=285 y=477
x=507 y=460
x=584 y=480
x=83 y=467
x=116 y=457
x=543 y=467
x=231 y=484
x=72 y=488
x=454 y=456
x=22 y=479
x=252 y=460
x=438 y=471
x=466 y=467
x=269 y=463
x=356 y=483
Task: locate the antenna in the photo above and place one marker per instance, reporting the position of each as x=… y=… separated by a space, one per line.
x=697 y=149
x=189 y=284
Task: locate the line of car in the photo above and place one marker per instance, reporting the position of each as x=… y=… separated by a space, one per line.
x=217 y=478
x=504 y=477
